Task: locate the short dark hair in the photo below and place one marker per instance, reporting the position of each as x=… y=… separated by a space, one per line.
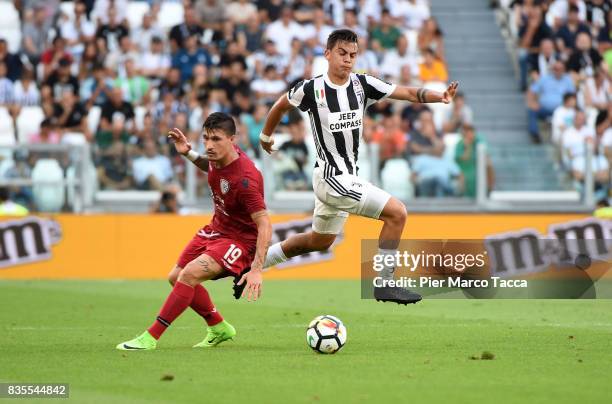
x=220 y=121
x=341 y=35
x=568 y=95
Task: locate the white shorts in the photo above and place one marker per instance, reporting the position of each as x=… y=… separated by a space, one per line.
x=340 y=195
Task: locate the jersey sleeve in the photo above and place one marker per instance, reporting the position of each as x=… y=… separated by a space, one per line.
x=250 y=195
x=375 y=88
x=297 y=95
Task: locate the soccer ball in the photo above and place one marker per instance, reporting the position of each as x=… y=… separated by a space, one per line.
x=326 y=334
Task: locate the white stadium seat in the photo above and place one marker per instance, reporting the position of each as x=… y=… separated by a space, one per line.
x=396 y=179
x=74 y=138
x=139 y=114
x=28 y=122
x=135 y=11
x=48 y=197
x=67 y=8
x=7 y=132
x=450 y=144
x=170 y=14
x=13 y=38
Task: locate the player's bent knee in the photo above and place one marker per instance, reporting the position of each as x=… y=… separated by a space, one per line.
x=174 y=274
x=189 y=275
x=395 y=213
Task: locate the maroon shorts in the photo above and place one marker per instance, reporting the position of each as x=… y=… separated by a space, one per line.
x=229 y=254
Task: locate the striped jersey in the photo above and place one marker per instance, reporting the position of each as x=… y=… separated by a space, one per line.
x=336 y=116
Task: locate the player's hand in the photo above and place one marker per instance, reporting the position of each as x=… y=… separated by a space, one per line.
x=254 y=280
x=450 y=92
x=267 y=146
x=180 y=141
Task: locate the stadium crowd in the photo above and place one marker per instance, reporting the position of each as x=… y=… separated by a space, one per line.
x=565 y=58
x=120 y=74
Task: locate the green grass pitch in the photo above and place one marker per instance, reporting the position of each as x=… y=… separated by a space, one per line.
x=545 y=351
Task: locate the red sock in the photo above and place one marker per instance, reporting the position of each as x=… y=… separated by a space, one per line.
x=177 y=302
x=202 y=305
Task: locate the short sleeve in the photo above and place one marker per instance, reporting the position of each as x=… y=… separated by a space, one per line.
x=297 y=95
x=375 y=88
x=251 y=196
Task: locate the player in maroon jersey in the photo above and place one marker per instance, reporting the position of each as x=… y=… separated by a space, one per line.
x=236 y=240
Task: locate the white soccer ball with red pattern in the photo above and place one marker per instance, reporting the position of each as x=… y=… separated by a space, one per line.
x=326 y=334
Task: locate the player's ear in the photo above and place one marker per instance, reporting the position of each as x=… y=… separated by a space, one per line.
x=327 y=54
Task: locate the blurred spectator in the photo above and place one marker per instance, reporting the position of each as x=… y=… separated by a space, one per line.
x=316 y=33
x=390 y=138
x=115 y=61
x=566 y=35
x=459 y=115
x=8 y=207
x=385 y=35
x=603 y=133
x=77 y=30
x=12 y=61
x=270 y=56
x=432 y=68
x=412 y=13
x=166 y=111
x=559 y=12
x=465 y=157
x=563 y=117
x=188 y=28
x=531 y=33
x=597 y=91
x=424 y=139
x=283 y=30
x=95 y=90
x=105 y=138
x=199 y=88
x=250 y=36
x=574 y=138
x=152 y=170
x=113 y=167
x=116 y=108
x=434 y=176
x=70 y=115
x=143 y=36
x=112 y=30
x=268 y=88
x=545 y=95
x=211 y=13
x=351 y=22
x=241 y=11
x=304 y=11
x=155 y=63
x=367 y=61
x=35 y=34
x=89 y=59
x=60 y=81
x=21 y=169
x=293 y=176
x=431 y=37
x=172 y=84
x=185 y=59
x=254 y=123
x=106 y=12
x=135 y=88
x=52 y=56
x=600 y=168
x=236 y=80
x=168 y=203
x=396 y=59
x=6 y=87
x=297 y=63
x=25 y=91
x=541 y=63
x=47 y=134
x=585 y=59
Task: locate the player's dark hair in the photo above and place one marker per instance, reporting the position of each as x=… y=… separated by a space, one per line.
x=220 y=121
x=341 y=35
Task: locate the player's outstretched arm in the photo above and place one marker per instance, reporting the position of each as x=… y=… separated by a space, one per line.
x=422 y=95
x=183 y=146
x=280 y=107
x=254 y=278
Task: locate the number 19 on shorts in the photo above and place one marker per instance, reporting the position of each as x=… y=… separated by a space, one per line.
x=232 y=254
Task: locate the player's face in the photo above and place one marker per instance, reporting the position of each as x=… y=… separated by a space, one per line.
x=218 y=145
x=341 y=58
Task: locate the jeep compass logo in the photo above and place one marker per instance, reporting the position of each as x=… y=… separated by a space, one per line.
x=27 y=240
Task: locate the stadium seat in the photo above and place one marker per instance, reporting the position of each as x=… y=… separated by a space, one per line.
x=450 y=144
x=9 y=17
x=439 y=110
x=74 y=138
x=396 y=179
x=170 y=14
x=7 y=131
x=48 y=197
x=93 y=118
x=28 y=122
x=139 y=114
x=13 y=38
x=135 y=11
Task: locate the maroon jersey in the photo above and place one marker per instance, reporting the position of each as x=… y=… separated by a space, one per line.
x=237 y=192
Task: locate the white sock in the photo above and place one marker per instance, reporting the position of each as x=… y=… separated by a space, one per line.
x=387 y=272
x=275 y=256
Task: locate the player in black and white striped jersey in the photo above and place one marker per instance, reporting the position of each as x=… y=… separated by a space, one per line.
x=336 y=103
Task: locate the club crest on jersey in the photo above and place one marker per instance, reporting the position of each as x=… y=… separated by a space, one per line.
x=224 y=186
x=320 y=98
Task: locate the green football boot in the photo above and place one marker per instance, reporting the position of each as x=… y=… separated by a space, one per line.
x=144 y=342
x=217 y=334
